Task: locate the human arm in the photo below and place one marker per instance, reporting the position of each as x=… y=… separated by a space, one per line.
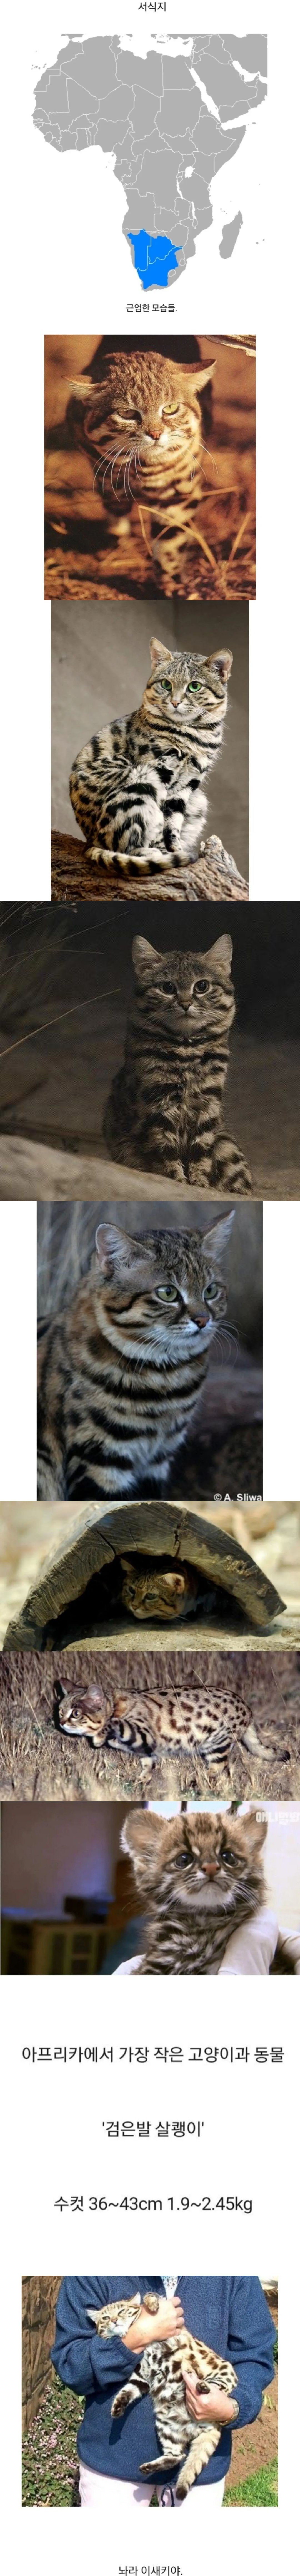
x=250 y=2344
x=250 y=1951
x=217 y=2409
x=167 y=2321
x=79 y=2356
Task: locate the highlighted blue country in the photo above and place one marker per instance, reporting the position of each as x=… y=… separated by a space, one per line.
x=154 y=256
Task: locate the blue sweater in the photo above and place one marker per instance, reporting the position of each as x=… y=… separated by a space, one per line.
x=230 y=2314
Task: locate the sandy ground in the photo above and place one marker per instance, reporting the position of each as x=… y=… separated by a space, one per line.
x=37 y=1160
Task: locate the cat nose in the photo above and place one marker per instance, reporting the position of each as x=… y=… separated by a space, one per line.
x=200 y=1320
x=210 y=1868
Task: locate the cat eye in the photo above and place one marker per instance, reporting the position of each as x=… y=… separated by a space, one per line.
x=164 y=684
x=123 y=418
x=203 y=985
x=192 y=687
x=169 y=1293
x=171 y=411
x=231 y=1856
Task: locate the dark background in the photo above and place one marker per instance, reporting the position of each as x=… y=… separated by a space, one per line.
x=73 y=968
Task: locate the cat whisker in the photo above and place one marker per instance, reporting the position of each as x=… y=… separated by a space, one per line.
x=206 y=451
x=230 y=1334
x=130 y=460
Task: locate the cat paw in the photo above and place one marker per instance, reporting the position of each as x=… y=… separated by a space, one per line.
x=120 y=2403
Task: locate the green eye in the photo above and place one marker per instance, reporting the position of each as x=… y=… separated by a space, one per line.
x=169 y=1293
x=193 y=685
x=165 y=684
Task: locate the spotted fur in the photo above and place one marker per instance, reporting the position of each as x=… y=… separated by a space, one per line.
x=137 y=787
x=164 y=1108
x=199 y=1876
x=217 y=1722
x=158 y=2373
x=120 y=1370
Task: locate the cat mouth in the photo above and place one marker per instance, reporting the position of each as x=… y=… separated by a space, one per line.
x=208 y=1894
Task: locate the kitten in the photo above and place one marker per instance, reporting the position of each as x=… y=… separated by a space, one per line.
x=121 y=1368
x=137 y=787
x=198 y=1876
x=158 y=2374
x=141 y=426
x=164 y=1109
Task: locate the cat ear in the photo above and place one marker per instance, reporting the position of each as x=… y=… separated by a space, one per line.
x=112 y=1246
x=256 y=1828
x=141 y=1835
x=215 y=1243
x=221 y=662
x=142 y=951
x=202 y=376
x=221 y=951
x=158 y=652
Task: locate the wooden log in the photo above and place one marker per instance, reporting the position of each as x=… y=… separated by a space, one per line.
x=75 y=879
x=152 y=1529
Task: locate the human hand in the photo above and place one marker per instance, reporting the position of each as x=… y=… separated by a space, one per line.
x=168 y=2320
x=217 y=2409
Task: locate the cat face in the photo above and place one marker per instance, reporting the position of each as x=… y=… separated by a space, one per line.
x=162 y=1288
x=190 y=996
x=158 y=1591
x=146 y=401
x=119 y=2316
x=197 y=1863
x=186 y=689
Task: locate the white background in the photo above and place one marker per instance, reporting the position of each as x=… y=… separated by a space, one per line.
x=56 y=279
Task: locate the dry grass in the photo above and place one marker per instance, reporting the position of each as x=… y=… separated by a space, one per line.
x=204 y=554
x=37 y=1763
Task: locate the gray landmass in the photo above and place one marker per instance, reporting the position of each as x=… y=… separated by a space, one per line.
x=171 y=122
x=230 y=236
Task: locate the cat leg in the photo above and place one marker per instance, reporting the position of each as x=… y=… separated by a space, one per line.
x=200 y=1166
x=204 y=2443
x=165 y=2460
x=128 y=2396
x=230 y=1172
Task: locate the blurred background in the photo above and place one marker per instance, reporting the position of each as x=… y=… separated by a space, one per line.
x=69 y=1903
x=66 y=989
x=224 y=1450
x=92 y=549
x=100 y=662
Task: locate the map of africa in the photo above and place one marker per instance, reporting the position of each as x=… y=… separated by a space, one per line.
x=171 y=120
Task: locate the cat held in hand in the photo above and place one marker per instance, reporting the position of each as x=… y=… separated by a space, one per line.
x=198 y=1876
x=159 y=2374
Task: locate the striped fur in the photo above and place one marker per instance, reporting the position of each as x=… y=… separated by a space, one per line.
x=159 y=2374
x=218 y=1722
x=164 y=1108
x=141 y=426
x=120 y=1369
x=198 y=1877
x=137 y=787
